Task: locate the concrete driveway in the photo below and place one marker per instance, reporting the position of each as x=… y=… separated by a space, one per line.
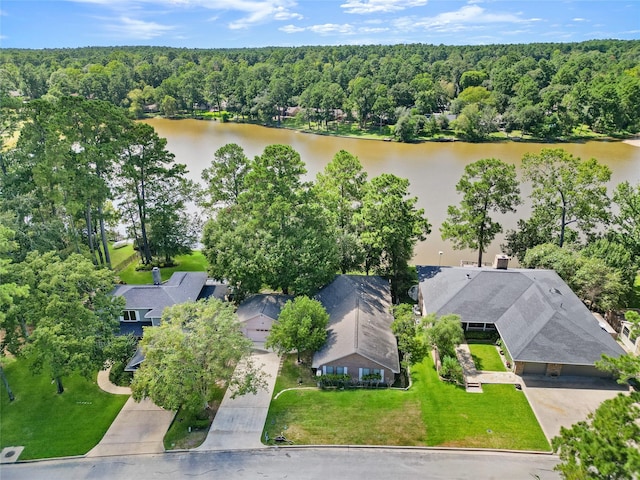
x=239 y=422
x=138 y=428
x=563 y=401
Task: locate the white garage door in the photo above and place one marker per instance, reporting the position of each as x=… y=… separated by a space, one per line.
x=258 y=334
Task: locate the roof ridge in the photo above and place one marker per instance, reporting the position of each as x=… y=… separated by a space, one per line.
x=533 y=285
x=356 y=324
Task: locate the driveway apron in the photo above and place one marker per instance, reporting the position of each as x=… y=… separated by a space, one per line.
x=139 y=427
x=239 y=422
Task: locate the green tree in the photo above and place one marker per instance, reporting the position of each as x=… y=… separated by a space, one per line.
x=390 y=226
x=8 y=292
x=605 y=445
x=569 y=189
x=224 y=179
x=488 y=185
x=195 y=351
x=76 y=315
x=301 y=326
x=278 y=229
x=626 y=221
x=404 y=327
x=340 y=189
x=151 y=186
x=444 y=332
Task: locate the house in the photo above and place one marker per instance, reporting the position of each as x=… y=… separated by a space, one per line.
x=360 y=340
x=258 y=312
x=629 y=338
x=145 y=303
x=544 y=326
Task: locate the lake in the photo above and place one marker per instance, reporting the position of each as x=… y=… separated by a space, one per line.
x=432 y=168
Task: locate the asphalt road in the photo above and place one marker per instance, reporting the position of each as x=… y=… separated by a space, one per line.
x=294 y=463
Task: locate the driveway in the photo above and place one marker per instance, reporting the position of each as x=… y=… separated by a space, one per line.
x=138 y=428
x=563 y=401
x=239 y=422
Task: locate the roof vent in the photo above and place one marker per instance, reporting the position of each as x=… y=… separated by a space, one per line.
x=155 y=274
x=501 y=261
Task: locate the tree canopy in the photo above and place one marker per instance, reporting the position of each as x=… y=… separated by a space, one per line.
x=488 y=185
x=301 y=326
x=193 y=352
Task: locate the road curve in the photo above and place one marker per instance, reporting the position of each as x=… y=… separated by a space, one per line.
x=295 y=463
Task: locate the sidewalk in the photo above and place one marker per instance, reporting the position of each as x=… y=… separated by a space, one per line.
x=138 y=428
x=239 y=422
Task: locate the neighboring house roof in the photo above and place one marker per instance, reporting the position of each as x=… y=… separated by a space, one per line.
x=180 y=288
x=269 y=305
x=535 y=312
x=360 y=320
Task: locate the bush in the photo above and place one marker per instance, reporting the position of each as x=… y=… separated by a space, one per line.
x=334 y=380
x=118 y=376
x=474 y=335
x=451 y=371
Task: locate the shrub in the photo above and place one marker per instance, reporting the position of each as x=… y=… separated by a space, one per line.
x=334 y=380
x=451 y=371
x=118 y=376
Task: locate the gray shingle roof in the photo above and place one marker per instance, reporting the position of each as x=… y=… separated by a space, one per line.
x=180 y=288
x=537 y=315
x=266 y=304
x=359 y=321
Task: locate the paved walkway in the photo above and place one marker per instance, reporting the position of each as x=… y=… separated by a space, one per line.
x=471 y=375
x=239 y=422
x=138 y=428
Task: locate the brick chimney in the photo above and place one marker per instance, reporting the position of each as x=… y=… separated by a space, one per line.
x=501 y=261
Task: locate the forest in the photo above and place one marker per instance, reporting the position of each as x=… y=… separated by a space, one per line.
x=403 y=92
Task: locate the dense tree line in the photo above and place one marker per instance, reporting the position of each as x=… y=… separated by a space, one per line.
x=544 y=90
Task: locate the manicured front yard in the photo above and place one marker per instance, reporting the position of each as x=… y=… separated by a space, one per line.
x=432 y=413
x=486 y=356
x=196 y=262
x=52 y=425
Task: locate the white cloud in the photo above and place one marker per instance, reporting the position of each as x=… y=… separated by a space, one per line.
x=291 y=29
x=469 y=17
x=251 y=11
x=323 y=29
x=331 y=28
x=578 y=19
x=138 y=29
x=372 y=29
x=379 y=6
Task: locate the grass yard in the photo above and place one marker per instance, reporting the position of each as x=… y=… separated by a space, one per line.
x=195 y=262
x=119 y=255
x=486 y=356
x=178 y=436
x=52 y=425
x=432 y=413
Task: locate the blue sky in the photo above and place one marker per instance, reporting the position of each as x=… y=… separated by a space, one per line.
x=257 y=23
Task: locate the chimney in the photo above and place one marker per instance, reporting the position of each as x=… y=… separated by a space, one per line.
x=501 y=261
x=155 y=273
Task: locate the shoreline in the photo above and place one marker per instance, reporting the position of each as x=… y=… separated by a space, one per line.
x=634 y=142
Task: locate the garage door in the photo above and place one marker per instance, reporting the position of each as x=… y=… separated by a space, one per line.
x=584 y=371
x=257 y=334
x=534 y=368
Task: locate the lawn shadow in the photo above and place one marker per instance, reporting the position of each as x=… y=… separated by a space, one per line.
x=478 y=361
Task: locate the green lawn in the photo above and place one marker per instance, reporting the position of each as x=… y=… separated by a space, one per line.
x=432 y=413
x=486 y=356
x=52 y=425
x=119 y=255
x=196 y=262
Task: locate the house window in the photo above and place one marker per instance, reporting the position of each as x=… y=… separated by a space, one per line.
x=129 y=316
x=625 y=332
x=334 y=370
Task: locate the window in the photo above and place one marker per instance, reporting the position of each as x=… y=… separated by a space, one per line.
x=329 y=371
x=625 y=332
x=341 y=370
x=335 y=370
x=370 y=371
x=129 y=316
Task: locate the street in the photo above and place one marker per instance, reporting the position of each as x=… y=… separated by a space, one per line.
x=295 y=463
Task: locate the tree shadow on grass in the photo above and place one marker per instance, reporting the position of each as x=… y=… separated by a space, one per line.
x=478 y=361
